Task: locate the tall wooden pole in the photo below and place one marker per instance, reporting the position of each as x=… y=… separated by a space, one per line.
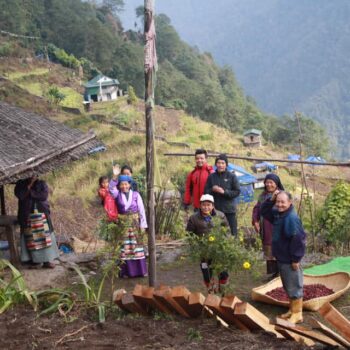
x=150 y=69
x=2 y=200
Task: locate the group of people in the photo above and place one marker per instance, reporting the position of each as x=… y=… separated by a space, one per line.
x=212 y=194
x=274 y=218
x=124 y=206
x=220 y=183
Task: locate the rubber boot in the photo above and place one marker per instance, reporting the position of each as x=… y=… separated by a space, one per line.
x=286 y=315
x=296 y=307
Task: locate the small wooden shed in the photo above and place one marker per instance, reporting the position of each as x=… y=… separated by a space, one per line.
x=31 y=144
x=252 y=138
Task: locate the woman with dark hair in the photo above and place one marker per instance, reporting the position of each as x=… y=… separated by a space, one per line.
x=33 y=195
x=132 y=219
x=262 y=225
x=127 y=170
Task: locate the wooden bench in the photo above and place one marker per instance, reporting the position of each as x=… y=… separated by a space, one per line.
x=9 y=222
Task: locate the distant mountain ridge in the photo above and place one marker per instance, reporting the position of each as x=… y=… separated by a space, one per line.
x=288 y=55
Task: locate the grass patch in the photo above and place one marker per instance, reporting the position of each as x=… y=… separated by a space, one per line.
x=73 y=98
x=19 y=74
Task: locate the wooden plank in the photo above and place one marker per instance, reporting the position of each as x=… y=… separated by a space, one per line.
x=213 y=303
x=144 y=296
x=163 y=296
x=329 y=332
x=306 y=332
x=117 y=298
x=254 y=319
x=336 y=319
x=131 y=305
x=148 y=293
x=14 y=255
x=294 y=336
x=180 y=294
x=195 y=304
x=219 y=320
x=228 y=304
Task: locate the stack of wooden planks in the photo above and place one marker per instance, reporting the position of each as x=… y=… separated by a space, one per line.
x=230 y=311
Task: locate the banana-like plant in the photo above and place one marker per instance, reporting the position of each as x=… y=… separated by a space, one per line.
x=15 y=291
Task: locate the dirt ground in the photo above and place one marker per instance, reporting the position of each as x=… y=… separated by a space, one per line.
x=21 y=329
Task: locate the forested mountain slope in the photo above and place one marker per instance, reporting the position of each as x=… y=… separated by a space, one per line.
x=288 y=55
x=187 y=79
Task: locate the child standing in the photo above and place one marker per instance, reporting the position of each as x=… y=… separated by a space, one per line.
x=108 y=201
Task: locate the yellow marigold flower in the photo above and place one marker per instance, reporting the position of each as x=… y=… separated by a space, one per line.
x=211 y=238
x=246 y=265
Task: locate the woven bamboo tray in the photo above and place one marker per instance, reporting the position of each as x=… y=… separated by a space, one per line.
x=338 y=281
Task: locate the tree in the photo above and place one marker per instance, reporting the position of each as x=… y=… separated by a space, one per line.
x=114 y=6
x=132 y=99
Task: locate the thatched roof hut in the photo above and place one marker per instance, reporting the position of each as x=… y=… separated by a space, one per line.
x=32 y=144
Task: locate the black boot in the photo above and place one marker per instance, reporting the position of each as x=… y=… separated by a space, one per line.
x=271 y=267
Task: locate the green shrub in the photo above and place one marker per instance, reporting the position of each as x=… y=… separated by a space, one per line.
x=55 y=96
x=5 y=49
x=179 y=103
x=61 y=56
x=226 y=252
x=132 y=99
x=335 y=215
x=135 y=140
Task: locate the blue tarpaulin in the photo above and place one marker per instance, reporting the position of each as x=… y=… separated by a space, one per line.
x=246 y=181
x=265 y=166
x=315 y=159
x=293 y=156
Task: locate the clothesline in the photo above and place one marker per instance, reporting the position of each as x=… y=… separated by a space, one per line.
x=232 y=156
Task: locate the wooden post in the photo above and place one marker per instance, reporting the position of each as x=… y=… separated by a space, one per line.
x=150 y=67
x=2 y=200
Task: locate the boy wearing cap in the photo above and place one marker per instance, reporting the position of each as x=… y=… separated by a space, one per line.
x=201 y=223
x=196 y=180
x=224 y=187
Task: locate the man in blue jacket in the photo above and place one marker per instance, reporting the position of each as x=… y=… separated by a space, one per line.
x=288 y=247
x=224 y=187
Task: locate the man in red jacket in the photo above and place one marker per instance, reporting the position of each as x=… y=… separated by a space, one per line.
x=197 y=179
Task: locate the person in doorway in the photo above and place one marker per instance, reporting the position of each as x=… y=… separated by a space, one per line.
x=107 y=199
x=262 y=225
x=202 y=223
x=196 y=180
x=36 y=250
x=224 y=187
x=288 y=247
x=132 y=218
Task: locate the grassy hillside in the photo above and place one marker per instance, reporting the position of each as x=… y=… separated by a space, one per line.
x=75 y=205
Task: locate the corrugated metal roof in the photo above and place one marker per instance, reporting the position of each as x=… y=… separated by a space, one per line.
x=253 y=131
x=94 y=82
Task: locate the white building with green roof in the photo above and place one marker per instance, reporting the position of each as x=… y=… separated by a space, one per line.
x=102 y=88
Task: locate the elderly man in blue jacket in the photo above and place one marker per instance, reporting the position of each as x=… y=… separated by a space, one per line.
x=288 y=247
